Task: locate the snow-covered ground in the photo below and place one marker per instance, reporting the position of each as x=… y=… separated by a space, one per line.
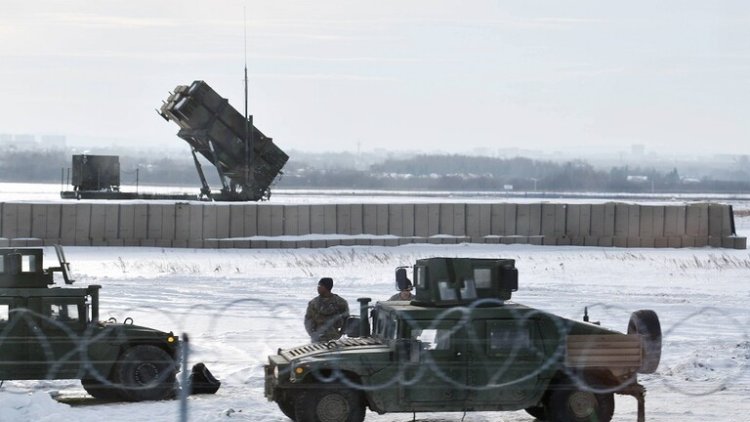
x=239 y=306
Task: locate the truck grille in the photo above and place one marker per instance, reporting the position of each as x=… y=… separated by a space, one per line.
x=328 y=346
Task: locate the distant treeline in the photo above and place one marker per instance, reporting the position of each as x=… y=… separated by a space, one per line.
x=422 y=172
x=461 y=172
x=53 y=166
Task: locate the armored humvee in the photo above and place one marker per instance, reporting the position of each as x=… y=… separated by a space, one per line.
x=461 y=346
x=52 y=332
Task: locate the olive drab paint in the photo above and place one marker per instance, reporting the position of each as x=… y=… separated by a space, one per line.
x=462 y=345
x=54 y=332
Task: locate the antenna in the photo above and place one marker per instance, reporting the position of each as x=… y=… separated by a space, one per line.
x=247 y=121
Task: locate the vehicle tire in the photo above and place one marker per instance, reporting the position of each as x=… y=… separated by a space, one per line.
x=538 y=412
x=646 y=323
x=100 y=390
x=287 y=408
x=329 y=404
x=146 y=372
x=573 y=405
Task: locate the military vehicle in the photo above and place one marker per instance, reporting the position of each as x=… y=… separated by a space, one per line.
x=461 y=346
x=53 y=332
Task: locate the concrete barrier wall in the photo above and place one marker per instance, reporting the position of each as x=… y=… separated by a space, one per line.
x=270 y=225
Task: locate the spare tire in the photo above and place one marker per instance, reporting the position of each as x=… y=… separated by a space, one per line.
x=646 y=324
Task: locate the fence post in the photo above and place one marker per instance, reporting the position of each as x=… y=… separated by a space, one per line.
x=185 y=382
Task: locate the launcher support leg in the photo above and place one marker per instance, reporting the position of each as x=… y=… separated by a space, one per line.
x=205 y=190
x=218 y=165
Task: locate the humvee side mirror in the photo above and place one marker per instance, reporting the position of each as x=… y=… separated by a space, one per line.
x=402 y=281
x=509 y=279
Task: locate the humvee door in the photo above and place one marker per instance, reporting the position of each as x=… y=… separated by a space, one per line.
x=506 y=360
x=440 y=376
x=55 y=352
x=13 y=345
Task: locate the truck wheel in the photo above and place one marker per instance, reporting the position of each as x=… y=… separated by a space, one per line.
x=287 y=408
x=646 y=323
x=146 y=372
x=538 y=412
x=326 y=404
x=573 y=405
x=100 y=390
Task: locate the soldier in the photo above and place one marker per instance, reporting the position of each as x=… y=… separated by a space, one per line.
x=404 y=286
x=404 y=292
x=326 y=313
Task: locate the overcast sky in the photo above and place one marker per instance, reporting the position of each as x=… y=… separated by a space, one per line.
x=396 y=74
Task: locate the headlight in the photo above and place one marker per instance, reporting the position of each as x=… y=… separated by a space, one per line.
x=297 y=372
x=276 y=372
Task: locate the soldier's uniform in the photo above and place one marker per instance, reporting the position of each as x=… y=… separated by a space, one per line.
x=397 y=296
x=325 y=317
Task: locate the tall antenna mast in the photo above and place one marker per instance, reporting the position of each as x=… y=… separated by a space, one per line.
x=248 y=119
x=249 y=128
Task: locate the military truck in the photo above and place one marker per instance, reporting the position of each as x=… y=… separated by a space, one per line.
x=461 y=346
x=53 y=332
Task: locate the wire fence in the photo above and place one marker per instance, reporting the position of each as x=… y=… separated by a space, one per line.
x=508 y=356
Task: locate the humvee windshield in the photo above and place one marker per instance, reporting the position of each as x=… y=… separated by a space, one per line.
x=433 y=338
x=28 y=264
x=4 y=312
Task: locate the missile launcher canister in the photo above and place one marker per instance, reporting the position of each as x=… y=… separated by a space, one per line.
x=246 y=159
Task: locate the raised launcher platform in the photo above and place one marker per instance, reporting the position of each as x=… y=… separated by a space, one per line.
x=247 y=160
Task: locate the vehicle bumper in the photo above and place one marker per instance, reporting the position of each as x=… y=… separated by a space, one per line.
x=269 y=391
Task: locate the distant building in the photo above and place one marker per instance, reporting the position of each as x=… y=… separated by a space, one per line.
x=638 y=150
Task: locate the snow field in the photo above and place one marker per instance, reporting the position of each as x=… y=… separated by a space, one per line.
x=238 y=306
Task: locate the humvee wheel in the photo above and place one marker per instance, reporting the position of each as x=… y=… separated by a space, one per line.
x=287 y=408
x=100 y=390
x=145 y=372
x=572 y=405
x=337 y=404
x=646 y=323
x=538 y=412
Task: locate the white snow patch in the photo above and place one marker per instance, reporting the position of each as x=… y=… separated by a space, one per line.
x=239 y=306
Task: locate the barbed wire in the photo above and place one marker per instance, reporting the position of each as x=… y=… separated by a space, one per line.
x=73 y=341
